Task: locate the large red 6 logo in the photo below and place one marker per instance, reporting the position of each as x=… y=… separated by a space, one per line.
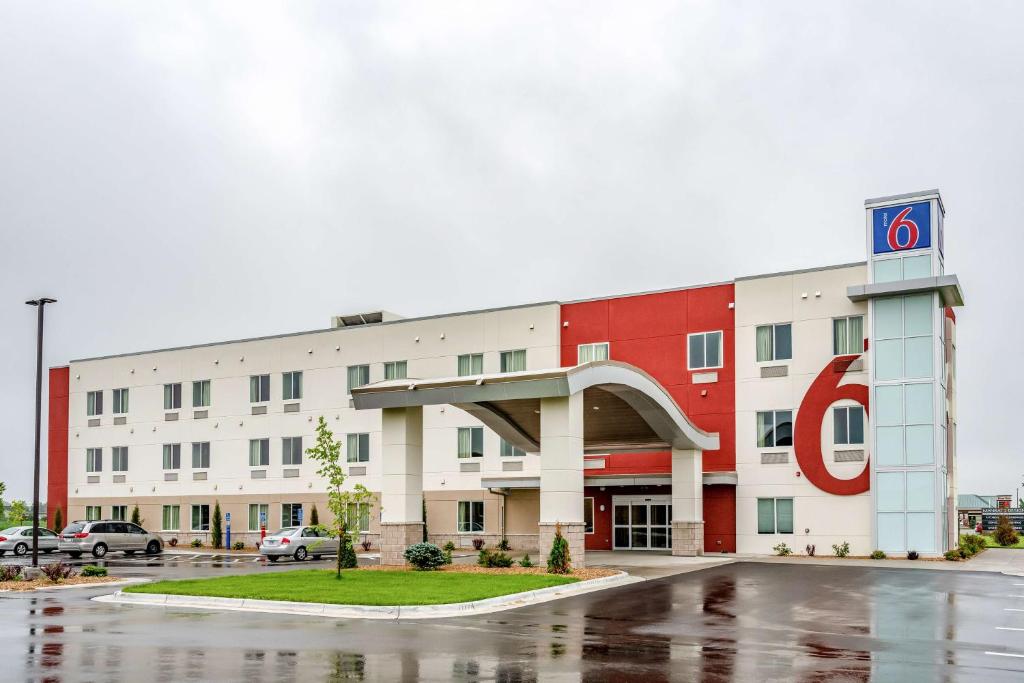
x=901 y=221
x=824 y=391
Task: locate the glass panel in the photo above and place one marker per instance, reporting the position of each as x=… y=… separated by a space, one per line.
x=639 y=513
x=478 y=442
x=713 y=349
x=839 y=332
x=889 y=270
x=765 y=427
x=659 y=515
x=638 y=536
x=918 y=312
x=890 y=531
x=855 y=333
x=783 y=428
x=918 y=357
x=766 y=515
x=622 y=537
x=888 y=318
x=917 y=266
x=889 y=359
x=659 y=537
x=890 y=491
x=622 y=515
x=465 y=442
x=921 y=531
x=784 y=515
x=856 y=414
x=920 y=490
x=840 y=433
x=889 y=405
x=764 y=343
x=919 y=403
x=696 y=357
x=889 y=445
x=783 y=342
x=920 y=445
x=601 y=351
x=588 y=515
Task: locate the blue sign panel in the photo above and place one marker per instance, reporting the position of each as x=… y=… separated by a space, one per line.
x=901 y=228
x=227 y=517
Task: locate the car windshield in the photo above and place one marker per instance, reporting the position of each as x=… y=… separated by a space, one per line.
x=73 y=528
x=287 y=531
x=10 y=532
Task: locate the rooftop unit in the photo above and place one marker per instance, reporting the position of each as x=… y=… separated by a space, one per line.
x=370 y=318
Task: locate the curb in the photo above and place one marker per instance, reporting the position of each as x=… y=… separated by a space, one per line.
x=58 y=587
x=394 y=613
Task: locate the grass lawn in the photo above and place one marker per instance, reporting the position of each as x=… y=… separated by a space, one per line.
x=991 y=543
x=358 y=587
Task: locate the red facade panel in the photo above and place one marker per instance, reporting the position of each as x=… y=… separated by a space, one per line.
x=57 y=444
x=719 y=519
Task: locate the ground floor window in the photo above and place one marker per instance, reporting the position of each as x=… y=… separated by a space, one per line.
x=119 y=512
x=358 y=517
x=774 y=515
x=92 y=512
x=471 y=516
x=588 y=515
x=171 y=518
x=291 y=514
x=200 y=518
x=259 y=513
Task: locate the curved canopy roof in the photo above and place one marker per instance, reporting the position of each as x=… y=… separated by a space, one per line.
x=625 y=409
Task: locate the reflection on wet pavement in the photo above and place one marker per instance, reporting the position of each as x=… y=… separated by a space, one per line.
x=739 y=622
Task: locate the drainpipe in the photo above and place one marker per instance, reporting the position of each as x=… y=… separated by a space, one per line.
x=504 y=496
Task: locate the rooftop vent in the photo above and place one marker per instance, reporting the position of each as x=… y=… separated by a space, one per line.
x=354 y=319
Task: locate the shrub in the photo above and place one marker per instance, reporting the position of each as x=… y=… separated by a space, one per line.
x=952 y=555
x=424 y=556
x=559 y=561
x=1005 y=534
x=503 y=544
x=841 y=550
x=478 y=544
x=10 y=572
x=448 y=548
x=912 y=555
x=93 y=570
x=314 y=516
x=348 y=553
x=782 y=550
x=196 y=543
x=972 y=543
x=216 y=530
x=58 y=520
x=483 y=558
x=493 y=559
x=878 y=555
x=810 y=550
x=173 y=542
x=57 y=572
x=526 y=562
x=238 y=545
x=366 y=544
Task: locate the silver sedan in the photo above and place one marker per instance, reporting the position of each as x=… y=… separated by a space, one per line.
x=18 y=540
x=298 y=542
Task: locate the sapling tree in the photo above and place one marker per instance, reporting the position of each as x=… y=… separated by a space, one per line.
x=136 y=516
x=327 y=454
x=18 y=513
x=216 y=530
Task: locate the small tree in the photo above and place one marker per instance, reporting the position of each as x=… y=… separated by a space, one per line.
x=559 y=561
x=3 y=506
x=18 y=513
x=136 y=517
x=314 y=516
x=327 y=453
x=58 y=520
x=216 y=531
x=1004 y=534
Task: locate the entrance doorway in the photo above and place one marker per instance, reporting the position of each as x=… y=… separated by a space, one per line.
x=642 y=522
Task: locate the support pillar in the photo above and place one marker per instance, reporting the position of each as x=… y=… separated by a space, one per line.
x=401 y=482
x=561 y=475
x=687 y=502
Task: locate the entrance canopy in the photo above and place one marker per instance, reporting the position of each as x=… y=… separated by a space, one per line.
x=625 y=409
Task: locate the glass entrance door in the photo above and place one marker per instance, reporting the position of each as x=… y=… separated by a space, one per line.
x=642 y=523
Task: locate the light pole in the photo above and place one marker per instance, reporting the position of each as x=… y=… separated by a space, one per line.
x=40 y=304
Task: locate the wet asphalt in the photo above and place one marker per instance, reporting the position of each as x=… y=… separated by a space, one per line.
x=738 y=622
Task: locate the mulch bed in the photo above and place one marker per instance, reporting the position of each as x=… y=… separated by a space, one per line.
x=44 y=582
x=584 y=574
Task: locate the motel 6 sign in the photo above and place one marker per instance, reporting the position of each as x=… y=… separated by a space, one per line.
x=902 y=228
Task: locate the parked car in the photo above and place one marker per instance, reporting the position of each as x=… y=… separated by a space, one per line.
x=105 y=535
x=298 y=542
x=18 y=540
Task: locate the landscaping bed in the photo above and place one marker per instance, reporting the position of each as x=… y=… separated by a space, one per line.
x=43 y=582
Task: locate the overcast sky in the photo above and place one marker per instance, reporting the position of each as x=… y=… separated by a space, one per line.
x=204 y=171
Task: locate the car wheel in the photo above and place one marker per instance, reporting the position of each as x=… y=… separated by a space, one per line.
x=272 y=558
x=300 y=554
x=99 y=550
x=74 y=554
x=153 y=548
x=20 y=549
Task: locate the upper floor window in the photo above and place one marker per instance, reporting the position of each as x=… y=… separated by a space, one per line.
x=201 y=393
x=172 y=456
x=120 y=401
x=509 y=451
x=471 y=442
x=774 y=428
x=585 y=353
x=259 y=388
x=705 y=350
x=395 y=369
x=848 y=335
x=292 y=385
x=774 y=342
x=513 y=361
x=848 y=423
x=259 y=452
x=471 y=364
x=358 y=448
x=201 y=455
x=172 y=396
x=291 y=450
x=94 y=403
x=358 y=376
x=119 y=458
x=93 y=459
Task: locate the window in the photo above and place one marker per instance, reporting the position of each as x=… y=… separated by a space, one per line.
x=259 y=452
x=705 y=350
x=92 y=512
x=258 y=513
x=471 y=442
x=774 y=428
x=120 y=401
x=848 y=424
x=172 y=456
x=259 y=388
x=94 y=403
x=358 y=375
x=201 y=394
x=119 y=512
x=471 y=364
x=358 y=448
x=291 y=514
x=774 y=342
x=172 y=396
x=93 y=459
x=395 y=369
x=292 y=389
x=588 y=515
x=200 y=518
x=358 y=517
x=471 y=516
x=513 y=361
x=848 y=335
x=585 y=353
x=201 y=455
x=171 y=518
x=291 y=450
x=774 y=515
x=119 y=459
x=510 y=451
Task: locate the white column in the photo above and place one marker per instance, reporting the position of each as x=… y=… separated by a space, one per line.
x=687 y=502
x=561 y=474
x=401 y=482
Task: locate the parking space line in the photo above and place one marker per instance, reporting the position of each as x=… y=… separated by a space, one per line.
x=1008 y=628
x=1012 y=609
x=1004 y=654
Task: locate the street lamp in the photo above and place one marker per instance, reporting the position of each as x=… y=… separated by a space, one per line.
x=40 y=304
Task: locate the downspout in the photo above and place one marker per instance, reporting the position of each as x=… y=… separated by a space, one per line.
x=503 y=492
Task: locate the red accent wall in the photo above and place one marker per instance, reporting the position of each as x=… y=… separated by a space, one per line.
x=57 y=444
